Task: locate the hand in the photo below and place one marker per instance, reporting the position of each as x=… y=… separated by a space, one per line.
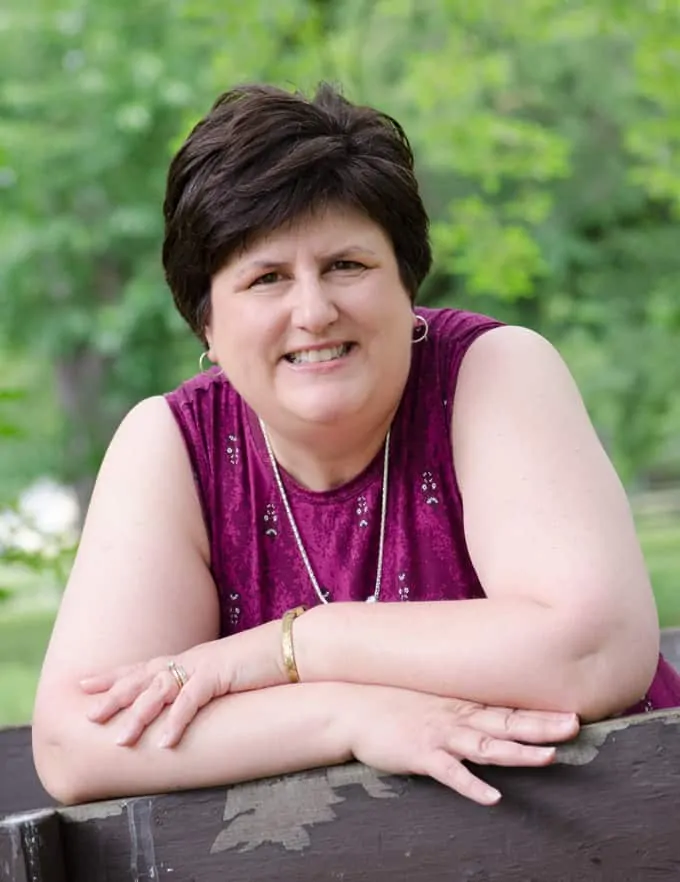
x=247 y=660
x=406 y=732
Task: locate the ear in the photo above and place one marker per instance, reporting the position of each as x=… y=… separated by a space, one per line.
x=209 y=342
x=205 y=318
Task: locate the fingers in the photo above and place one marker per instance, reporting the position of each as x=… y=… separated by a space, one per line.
x=103 y=682
x=148 y=705
x=446 y=765
x=533 y=727
x=452 y=773
x=120 y=694
x=163 y=691
x=483 y=749
x=188 y=703
x=142 y=692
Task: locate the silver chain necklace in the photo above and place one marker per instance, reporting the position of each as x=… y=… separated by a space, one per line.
x=321 y=594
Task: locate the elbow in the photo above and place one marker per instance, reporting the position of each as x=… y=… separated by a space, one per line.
x=63 y=753
x=54 y=763
x=615 y=674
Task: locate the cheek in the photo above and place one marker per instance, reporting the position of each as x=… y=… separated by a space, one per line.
x=246 y=335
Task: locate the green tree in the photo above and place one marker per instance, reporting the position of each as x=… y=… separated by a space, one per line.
x=547 y=143
x=547 y=135
x=91 y=96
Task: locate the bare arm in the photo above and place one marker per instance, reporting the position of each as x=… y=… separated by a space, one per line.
x=235 y=738
x=285 y=729
x=570 y=621
x=140 y=585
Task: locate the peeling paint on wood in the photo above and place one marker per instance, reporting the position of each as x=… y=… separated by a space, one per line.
x=142 y=852
x=95 y=810
x=586 y=747
x=279 y=812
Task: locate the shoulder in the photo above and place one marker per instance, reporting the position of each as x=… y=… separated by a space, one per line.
x=203 y=387
x=514 y=384
x=512 y=358
x=438 y=358
x=201 y=407
x=149 y=421
x=146 y=444
x=146 y=475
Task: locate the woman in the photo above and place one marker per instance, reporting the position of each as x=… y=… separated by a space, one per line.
x=344 y=448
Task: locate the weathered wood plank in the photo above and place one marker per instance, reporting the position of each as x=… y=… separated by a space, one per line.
x=20 y=789
x=30 y=848
x=610 y=810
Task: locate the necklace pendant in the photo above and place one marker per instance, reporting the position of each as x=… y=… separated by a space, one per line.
x=325 y=595
x=371 y=599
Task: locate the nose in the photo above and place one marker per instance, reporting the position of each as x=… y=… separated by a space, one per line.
x=313 y=308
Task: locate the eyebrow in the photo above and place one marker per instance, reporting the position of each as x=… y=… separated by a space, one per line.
x=269 y=264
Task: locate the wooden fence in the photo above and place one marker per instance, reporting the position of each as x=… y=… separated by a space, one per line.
x=607 y=811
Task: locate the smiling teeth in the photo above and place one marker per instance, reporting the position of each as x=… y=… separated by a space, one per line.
x=306 y=356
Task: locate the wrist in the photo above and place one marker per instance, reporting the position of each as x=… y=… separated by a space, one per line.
x=289 y=664
x=317 y=634
x=254 y=658
x=351 y=708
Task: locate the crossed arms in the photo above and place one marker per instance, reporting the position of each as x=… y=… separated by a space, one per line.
x=568 y=628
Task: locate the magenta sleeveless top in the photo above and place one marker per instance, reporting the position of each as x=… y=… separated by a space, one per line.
x=255 y=561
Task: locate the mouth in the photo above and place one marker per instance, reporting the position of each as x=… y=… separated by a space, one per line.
x=316 y=356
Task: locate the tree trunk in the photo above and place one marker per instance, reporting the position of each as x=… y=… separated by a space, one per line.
x=81 y=383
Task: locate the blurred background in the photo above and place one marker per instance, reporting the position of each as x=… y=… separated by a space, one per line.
x=547 y=134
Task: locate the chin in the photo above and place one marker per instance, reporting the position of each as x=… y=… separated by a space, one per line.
x=324 y=412
x=323 y=417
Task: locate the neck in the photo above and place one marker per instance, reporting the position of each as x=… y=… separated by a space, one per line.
x=329 y=460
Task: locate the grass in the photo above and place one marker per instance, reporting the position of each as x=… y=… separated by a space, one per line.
x=660 y=539
x=24 y=633
x=23 y=640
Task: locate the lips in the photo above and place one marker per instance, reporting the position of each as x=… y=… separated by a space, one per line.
x=319 y=354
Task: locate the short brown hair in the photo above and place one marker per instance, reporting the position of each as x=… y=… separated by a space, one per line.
x=263 y=157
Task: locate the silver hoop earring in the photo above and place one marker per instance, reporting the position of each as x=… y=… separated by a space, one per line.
x=201 y=365
x=421 y=329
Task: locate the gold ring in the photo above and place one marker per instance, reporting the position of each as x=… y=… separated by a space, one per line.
x=178 y=673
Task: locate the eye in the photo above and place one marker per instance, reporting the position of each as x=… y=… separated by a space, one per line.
x=347 y=265
x=266 y=279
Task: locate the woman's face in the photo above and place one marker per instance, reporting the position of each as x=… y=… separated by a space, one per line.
x=312 y=325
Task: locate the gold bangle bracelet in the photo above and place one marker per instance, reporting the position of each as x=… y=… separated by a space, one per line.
x=287 y=642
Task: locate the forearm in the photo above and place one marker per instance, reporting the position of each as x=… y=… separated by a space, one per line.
x=509 y=652
x=235 y=738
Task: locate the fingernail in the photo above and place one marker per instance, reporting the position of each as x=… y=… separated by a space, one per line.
x=165 y=741
x=123 y=738
x=493 y=795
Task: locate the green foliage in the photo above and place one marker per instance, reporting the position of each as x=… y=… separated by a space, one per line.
x=547 y=142
x=661 y=545
x=546 y=136
x=23 y=641
x=91 y=96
